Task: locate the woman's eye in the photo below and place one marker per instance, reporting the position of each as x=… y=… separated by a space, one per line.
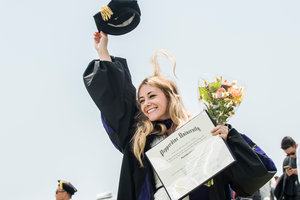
x=152 y=95
x=142 y=101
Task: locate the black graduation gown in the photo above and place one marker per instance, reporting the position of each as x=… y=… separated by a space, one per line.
x=110 y=86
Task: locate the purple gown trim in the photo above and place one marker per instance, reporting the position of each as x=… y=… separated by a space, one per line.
x=109 y=130
x=145 y=191
x=268 y=162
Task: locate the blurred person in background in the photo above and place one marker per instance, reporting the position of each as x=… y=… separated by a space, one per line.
x=288 y=187
x=65 y=190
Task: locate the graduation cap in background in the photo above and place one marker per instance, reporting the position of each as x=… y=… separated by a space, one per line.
x=104 y=195
x=118 y=17
x=67 y=186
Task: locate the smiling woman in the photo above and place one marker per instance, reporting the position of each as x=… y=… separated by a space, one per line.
x=134 y=125
x=153 y=103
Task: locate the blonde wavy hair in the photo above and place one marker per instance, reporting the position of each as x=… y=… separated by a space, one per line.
x=178 y=113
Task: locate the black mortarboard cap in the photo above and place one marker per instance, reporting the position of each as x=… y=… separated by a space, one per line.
x=67 y=186
x=118 y=17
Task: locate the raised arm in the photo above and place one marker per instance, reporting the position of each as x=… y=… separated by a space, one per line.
x=108 y=82
x=101 y=42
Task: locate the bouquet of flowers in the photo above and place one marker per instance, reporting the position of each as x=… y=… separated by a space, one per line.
x=221 y=98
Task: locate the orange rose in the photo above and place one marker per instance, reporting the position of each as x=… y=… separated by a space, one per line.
x=220 y=93
x=235 y=92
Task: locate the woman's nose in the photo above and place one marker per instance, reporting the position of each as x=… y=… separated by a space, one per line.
x=147 y=102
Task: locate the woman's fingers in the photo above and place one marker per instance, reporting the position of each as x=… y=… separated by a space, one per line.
x=220 y=130
x=215 y=129
x=97 y=34
x=97 y=37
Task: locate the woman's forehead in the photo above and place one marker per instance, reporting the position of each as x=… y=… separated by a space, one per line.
x=146 y=89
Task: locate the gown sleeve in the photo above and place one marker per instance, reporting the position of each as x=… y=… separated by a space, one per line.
x=109 y=85
x=252 y=169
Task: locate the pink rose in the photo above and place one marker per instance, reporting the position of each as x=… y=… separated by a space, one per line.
x=225 y=83
x=235 y=92
x=220 y=93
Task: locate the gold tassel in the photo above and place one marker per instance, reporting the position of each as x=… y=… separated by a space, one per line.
x=209 y=183
x=61 y=184
x=106 y=13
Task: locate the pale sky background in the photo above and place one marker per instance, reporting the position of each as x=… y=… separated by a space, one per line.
x=50 y=128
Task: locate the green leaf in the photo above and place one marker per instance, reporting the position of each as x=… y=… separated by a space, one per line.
x=203 y=91
x=214 y=86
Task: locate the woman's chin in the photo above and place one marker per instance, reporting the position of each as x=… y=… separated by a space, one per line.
x=153 y=118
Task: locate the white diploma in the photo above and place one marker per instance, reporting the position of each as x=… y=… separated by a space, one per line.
x=189 y=157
